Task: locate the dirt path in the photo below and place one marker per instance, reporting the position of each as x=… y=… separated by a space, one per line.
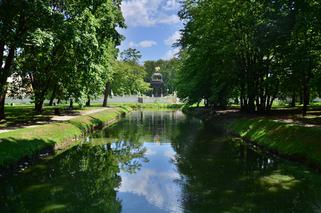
x=56 y=118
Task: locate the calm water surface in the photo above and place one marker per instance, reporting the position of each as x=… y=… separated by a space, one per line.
x=161 y=162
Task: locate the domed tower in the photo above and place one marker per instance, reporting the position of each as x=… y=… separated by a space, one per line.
x=157 y=83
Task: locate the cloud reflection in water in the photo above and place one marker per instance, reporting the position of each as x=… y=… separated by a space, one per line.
x=155 y=182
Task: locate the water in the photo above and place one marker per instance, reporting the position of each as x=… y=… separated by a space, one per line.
x=161 y=162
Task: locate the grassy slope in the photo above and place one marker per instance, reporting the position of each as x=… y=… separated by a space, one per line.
x=299 y=142
x=20 y=143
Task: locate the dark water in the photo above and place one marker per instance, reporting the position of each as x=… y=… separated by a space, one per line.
x=161 y=162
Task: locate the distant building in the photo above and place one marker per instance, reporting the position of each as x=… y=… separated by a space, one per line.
x=157 y=84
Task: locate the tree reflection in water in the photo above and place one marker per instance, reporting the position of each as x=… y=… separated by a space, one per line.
x=191 y=167
x=82 y=179
x=220 y=174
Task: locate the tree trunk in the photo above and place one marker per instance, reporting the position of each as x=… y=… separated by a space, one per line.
x=292 y=104
x=301 y=97
x=52 y=98
x=305 y=99
x=2 y=102
x=251 y=106
x=2 y=44
x=88 y=102
x=71 y=103
x=106 y=94
x=39 y=99
x=4 y=74
x=51 y=101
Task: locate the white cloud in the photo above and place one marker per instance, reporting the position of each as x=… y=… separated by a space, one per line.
x=172 y=53
x=149 y=12
x=171 y=5
x=146 y=44
x=172 y=19
x=173 y=38
x=143 y=44
x=156 y=182
x=149 y=183
x=170 y=41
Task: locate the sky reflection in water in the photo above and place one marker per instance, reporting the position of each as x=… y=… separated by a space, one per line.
x=155 y=183
x=162 y=162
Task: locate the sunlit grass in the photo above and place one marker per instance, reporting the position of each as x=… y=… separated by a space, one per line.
x=26 y=142
x=296 y=141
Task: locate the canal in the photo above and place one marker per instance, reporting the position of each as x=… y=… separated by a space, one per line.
x=161 y=161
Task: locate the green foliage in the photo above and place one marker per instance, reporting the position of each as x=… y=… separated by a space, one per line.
x=255 y=51
x=64 y=49
x=131 y=55
x=168 y=69
x=127 y=75
x=128 y=78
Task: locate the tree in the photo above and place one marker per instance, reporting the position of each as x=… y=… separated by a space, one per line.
x=250 y=49
x=72 y=48
x=131 y=55
x=128 y=76
x=18 y=20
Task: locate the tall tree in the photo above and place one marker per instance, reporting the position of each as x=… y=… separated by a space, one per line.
x=248 y=48
x=19 y=19
x=131 y=55
x=73 y=48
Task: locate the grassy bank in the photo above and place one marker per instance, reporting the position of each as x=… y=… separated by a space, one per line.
x=27 y=142
x=293 y=141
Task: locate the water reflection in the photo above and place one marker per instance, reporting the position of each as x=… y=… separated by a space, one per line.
x=83 y=179
x=154 y=188
x=222 y=175
x=155 y=184
x=162 y=162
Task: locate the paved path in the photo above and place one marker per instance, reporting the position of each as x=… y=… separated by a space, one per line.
x=68 y=117
x=56 y=118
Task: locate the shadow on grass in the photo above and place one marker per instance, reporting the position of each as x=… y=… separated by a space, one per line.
x=17 y=116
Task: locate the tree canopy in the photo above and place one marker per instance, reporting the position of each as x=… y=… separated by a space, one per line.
x=62 y=49
x=251 y=51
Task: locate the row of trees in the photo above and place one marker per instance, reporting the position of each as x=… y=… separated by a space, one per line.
x=253 y=51
x=65 y=50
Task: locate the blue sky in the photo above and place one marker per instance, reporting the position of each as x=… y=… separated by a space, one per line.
x=152 y=27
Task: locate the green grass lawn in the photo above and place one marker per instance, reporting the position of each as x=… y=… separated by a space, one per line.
x=26 y=142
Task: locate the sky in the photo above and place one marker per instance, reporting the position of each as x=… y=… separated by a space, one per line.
x=152 y=27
